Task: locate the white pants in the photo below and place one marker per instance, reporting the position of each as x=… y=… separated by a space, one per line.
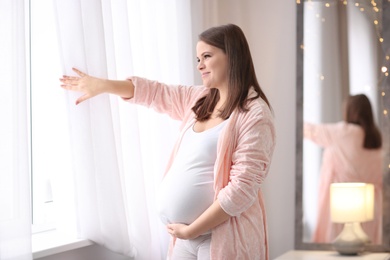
x=194 y=249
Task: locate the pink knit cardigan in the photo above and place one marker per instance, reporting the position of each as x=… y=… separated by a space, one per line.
x=244 y=154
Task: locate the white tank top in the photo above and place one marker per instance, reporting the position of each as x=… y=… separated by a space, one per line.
x=187 y=190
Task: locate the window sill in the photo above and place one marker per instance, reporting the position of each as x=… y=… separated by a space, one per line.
x=54 y=242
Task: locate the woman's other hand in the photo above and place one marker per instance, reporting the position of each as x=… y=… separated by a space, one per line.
x=181 y=231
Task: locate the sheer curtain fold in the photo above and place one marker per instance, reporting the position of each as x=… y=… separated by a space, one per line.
x=15 y=209
x=119 y=151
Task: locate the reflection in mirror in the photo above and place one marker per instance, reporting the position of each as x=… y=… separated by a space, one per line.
x=352 y=152
x=341 y=44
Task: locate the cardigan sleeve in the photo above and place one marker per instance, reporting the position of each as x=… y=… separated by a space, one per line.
x=251 y=160
x=323 y=134
x=173 y=100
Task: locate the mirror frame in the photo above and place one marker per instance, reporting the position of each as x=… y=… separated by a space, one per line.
x=299 y=243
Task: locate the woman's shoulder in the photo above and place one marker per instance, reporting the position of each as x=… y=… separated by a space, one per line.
x=258 y=112
x=258 y=107
x=349 y=127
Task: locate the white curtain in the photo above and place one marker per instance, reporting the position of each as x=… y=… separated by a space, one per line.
x=15 y=216
x=119 y=151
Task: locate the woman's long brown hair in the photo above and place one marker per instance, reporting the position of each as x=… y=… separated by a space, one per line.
x=241 y=72
x=358 y=111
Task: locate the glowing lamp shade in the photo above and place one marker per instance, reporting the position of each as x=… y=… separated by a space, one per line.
x=351 y=202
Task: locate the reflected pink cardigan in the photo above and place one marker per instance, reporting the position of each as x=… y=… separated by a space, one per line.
x=345 y=160
x=244 y=153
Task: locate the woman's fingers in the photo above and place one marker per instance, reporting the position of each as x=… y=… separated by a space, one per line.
x=81 y=99
x=69 y=82
x=84 y=83
x=80 y=73
x=70 y=78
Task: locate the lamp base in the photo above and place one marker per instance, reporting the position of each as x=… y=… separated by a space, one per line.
x=348 y=242
x=360 y=232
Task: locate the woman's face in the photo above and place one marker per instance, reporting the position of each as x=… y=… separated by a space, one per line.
x=212 y=65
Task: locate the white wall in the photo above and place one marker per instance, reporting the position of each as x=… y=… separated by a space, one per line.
x=270 y=27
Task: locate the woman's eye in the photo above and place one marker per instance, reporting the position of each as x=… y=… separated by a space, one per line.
x=198 y=60
x=207 y=56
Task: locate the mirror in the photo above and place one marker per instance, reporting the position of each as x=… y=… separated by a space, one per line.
x=343 y=47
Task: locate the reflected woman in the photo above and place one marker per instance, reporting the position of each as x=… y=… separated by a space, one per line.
x=352 y=153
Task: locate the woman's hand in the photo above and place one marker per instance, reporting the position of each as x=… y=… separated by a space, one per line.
x=89 y=86
x=181 y=231
x=209 y=219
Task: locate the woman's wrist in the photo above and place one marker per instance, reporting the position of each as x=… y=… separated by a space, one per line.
x=211 y=218
x=122 y=88
x=192 y=232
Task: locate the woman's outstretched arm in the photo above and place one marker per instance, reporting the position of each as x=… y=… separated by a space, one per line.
x=92 y=86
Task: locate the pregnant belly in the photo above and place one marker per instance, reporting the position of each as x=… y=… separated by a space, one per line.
x=184 y=196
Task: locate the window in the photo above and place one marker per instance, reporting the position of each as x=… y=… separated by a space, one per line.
x=49 y=144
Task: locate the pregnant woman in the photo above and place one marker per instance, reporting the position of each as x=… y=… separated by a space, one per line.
x=210 y=198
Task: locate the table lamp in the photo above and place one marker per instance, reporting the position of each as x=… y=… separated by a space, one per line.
x=351 y=203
